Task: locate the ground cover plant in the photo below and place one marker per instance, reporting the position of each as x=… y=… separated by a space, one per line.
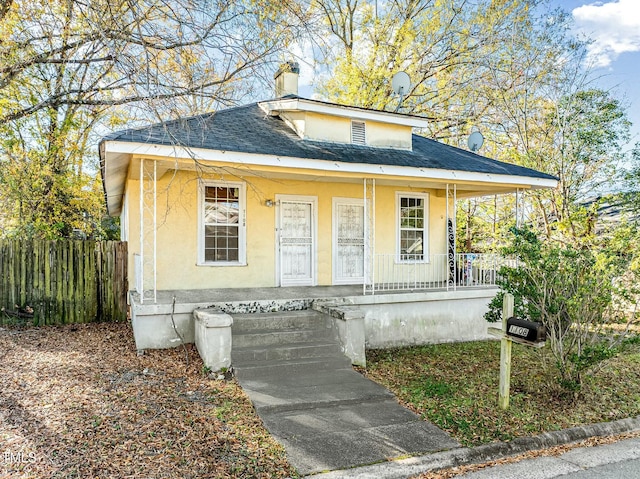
x=77 y=401
x=456 y=387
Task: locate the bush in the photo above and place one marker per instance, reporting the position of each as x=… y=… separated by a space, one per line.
x=577 y=293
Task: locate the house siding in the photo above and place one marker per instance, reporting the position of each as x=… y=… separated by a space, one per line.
x=314 y=126
x=177 y=228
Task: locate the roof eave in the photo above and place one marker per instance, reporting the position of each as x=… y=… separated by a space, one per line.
x=115 y=178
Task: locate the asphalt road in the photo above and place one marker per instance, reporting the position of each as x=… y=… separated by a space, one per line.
x=620 y=460
x=619 y=470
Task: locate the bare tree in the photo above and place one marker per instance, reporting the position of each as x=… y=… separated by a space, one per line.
x=127 y=51
x=68 y=69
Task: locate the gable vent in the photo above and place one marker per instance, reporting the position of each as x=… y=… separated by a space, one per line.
x=358 y=133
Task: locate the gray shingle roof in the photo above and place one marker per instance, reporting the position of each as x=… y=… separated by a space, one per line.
x=247 y=129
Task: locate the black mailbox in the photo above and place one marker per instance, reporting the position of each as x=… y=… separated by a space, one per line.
x=527 y=330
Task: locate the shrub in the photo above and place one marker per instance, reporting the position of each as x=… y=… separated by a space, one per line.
x=577 y=293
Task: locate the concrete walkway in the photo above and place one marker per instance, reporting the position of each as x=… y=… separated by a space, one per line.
x=329 y=418
x=327 y=415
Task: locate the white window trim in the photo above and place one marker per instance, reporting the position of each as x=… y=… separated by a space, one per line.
x=425 y=242
x=242 y=223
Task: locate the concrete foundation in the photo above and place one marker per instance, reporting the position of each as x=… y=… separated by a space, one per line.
x=153 y=328
x=379 y=321
x=435 y=319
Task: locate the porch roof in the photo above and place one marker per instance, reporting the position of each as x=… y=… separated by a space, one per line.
x=247 y=130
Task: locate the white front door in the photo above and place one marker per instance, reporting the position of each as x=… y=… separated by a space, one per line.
x=296 y=240
x=348 y=241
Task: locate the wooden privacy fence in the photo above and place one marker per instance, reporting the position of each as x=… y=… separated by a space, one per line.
x=60 y=282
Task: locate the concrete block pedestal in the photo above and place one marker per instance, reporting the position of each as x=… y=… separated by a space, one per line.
x=349 y=323
x=213 y=337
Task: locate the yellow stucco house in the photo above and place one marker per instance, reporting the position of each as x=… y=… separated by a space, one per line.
x=292 y=192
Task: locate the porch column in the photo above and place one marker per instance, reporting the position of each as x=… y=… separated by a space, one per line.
x=452 y=195
x=146 y=282
x=519 y=207
x=369 y=185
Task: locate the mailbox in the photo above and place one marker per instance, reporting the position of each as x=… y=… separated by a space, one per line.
x=527 y=330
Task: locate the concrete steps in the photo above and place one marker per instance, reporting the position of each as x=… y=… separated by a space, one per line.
x=295 y=368
x=292 y=351
x=327 y=415
x=260 y=339
x=269 y=337
x=306 y=318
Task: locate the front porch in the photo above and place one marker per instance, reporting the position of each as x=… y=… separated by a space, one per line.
x=384 y=319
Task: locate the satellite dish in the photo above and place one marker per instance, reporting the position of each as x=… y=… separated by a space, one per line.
x=475 y=141
x=400 y=83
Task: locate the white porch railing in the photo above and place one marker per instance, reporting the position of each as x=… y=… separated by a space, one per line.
x=394 y=273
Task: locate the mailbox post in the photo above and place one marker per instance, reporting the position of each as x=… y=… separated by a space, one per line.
x=505 y=353
x=518 y=331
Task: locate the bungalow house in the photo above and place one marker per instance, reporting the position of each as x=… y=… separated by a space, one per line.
x=292 y=203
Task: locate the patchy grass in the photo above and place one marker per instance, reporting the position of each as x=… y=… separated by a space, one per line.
x=456 y=387
x=76 y=401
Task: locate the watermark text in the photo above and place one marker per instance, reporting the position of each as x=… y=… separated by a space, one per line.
x=10 y=457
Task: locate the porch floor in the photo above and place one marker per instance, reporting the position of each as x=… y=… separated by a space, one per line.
x=232 y=295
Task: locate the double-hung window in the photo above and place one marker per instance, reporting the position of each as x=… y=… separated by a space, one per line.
x=412 y=220
x=222 y=238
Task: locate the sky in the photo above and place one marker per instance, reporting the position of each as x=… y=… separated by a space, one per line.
x=614 y=27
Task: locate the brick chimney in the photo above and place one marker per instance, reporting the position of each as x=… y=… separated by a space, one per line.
x=287 y=79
